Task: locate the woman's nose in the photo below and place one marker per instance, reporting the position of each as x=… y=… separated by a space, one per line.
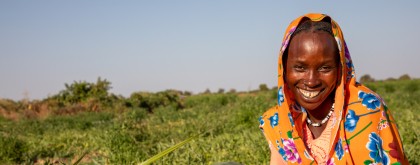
x=312 y=79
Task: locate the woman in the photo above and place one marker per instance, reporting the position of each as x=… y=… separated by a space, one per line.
x=323 y=115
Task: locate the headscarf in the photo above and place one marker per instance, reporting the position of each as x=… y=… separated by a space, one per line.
x=362 y=129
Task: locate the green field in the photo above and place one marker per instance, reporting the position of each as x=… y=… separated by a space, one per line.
x=116 y=130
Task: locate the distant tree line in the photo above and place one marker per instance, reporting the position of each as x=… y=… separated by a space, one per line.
x=82 y=96
x=367 y=78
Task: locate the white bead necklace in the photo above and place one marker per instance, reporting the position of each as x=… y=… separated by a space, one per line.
x=323 y=121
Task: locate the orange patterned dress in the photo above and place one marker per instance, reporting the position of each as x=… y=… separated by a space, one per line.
x=360 y=131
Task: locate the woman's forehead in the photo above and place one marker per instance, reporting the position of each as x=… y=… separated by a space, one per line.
x=305 y=42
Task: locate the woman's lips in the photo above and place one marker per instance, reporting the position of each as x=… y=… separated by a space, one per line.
x=309 y=94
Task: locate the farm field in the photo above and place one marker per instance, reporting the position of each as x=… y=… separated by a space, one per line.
x=104 y=129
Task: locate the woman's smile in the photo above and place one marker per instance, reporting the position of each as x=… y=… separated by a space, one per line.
x=309 y=94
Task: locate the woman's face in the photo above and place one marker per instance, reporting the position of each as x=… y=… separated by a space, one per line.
x=312 y=68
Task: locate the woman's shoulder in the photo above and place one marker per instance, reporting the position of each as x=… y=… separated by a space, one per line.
x=361 y=88
x=370 y=128
x=367 y=98
x=271 y=111
x=365 y=107
x=275 y=112
x=276 y=118
x=270 y=117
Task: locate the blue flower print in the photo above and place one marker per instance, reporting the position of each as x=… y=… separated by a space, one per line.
x=369 y=100
x=350 y=69
x=339 y=152
x=349 y=64
x=291 y=119
x=274 y=120
x=281 y=151
x=280 y=96
x=351 y=121
x=261 y=121
x=377 y=153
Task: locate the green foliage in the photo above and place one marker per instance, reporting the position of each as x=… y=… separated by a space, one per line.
x=169 y=150
x=390 y=79
x=9 y=105
x=81 y=91
x=412 y=87
x=151 y=101
x=207 y=91
x=12 y=149
x=221 y=91
x=372 y=86
x=187 y=93
x=389 y=88
x=404 y=77
x=366 y=79
x=214 y=100
x=232 y=91
x=263 y=87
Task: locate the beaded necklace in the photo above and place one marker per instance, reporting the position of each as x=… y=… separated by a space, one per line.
x=323 y=121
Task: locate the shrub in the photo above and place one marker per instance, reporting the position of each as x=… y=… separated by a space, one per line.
x=232 y=91
x=13 y=149
x=263 y=87
x=8 y=105
x=366 y=78
x=187 y=93
x=391 y=79
x=81 y=91
x=404 y=77
x=207 y=91
x=150 y=101
x=221 y=91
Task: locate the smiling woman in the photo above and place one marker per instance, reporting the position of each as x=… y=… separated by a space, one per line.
x=323 y=115
x=311 y=66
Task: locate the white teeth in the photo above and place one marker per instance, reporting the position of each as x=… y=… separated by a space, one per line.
x=309 y=94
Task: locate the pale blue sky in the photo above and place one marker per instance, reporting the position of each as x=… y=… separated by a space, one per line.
x=185 y=45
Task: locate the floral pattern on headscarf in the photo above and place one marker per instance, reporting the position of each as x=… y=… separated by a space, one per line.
x=351 y=121
x=339 y=151
x=291 y=152
x=280 y=96
x=369 y=100
x=377 y=153
x=274 y=120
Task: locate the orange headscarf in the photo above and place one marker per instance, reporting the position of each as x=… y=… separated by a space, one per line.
x=362 y=128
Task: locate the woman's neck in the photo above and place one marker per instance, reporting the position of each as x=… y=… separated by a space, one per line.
x=319 y=114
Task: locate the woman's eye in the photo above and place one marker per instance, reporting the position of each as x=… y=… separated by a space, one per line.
x=299 y=68
x=325 y=68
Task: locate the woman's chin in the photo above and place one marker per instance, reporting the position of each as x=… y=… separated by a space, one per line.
x=310 y=107
x=310 y=104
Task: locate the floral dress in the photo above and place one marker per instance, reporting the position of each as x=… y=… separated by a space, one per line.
x=362 y=130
